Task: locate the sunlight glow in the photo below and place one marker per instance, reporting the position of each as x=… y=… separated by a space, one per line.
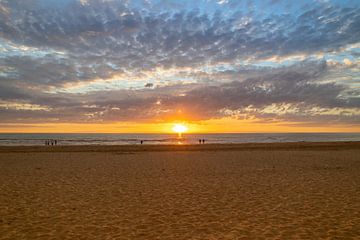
x=180 y=129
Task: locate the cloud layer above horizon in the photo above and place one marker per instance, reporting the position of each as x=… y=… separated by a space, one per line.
x=91 y=61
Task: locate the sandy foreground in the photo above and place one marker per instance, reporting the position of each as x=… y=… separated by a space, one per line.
x=245 y=191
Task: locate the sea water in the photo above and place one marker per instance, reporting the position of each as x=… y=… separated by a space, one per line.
x=33 y=139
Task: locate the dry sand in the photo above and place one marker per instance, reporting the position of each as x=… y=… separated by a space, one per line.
x=248 y=191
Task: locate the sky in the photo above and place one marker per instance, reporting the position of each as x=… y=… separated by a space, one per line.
x=214 y=65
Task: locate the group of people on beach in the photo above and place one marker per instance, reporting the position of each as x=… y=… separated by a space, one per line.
x=50 y=142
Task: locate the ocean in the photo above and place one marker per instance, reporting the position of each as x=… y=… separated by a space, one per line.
x=35 y=139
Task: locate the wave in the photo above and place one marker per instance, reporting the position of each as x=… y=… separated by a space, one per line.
x=126 y=139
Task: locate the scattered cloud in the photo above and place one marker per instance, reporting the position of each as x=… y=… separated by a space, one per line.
x=159 y=60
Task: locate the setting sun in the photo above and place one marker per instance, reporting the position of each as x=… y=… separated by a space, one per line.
x=179 y=129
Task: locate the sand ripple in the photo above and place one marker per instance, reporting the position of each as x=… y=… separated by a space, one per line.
x=182 y=195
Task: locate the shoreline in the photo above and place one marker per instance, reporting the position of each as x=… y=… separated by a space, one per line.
x=340 y=145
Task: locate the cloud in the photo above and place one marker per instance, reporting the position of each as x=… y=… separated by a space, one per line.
x=295 y=91
x=210 y=61
x=149 y=85
x=131 y=39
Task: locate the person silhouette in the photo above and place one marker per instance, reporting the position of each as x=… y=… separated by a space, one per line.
x=199 y=141
x=141 y=142
x=203 y=141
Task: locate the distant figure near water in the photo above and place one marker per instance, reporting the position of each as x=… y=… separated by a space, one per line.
x=203 y=141
x=50 y=142
x=141 y=142
x=199 y=141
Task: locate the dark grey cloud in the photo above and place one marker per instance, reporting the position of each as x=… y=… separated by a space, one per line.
x=298 y=87
x=149 y=85
x=50 y=71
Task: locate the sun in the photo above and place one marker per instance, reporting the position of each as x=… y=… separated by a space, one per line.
x=179 y=129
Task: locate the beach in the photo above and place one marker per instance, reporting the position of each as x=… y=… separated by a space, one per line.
x=213 y=191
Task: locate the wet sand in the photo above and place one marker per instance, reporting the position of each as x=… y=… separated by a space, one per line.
x=243 y=191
